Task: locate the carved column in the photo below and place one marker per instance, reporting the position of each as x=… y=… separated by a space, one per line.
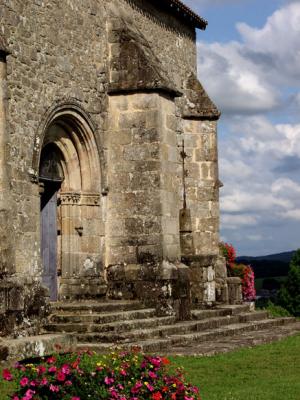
x=6 y=258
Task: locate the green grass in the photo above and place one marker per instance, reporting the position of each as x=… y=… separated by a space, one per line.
x=268 y=372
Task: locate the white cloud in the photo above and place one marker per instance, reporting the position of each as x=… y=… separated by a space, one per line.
x=234 y=81
x=234 y=221
x=243 y=201
x=255 y=238
x=285 y=185
x=292 y=214
x=247 y=76
x=278 y=42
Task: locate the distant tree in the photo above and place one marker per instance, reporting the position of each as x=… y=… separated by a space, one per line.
x=271 y=284
x=289 y=294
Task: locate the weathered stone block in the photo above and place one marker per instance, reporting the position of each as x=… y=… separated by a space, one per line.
x=16 y=299
x=234 y=290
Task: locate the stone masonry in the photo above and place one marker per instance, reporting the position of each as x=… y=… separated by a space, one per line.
x=108 y=159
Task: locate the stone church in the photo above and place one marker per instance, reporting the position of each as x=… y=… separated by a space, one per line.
x=109 y=181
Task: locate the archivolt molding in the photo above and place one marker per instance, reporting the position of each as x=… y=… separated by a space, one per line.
x=69 y=110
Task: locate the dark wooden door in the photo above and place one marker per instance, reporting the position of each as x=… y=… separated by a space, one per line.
x=49 y=237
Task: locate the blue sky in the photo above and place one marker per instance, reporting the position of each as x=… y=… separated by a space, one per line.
x=249 y=63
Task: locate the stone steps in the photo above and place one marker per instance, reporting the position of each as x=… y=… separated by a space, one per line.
x=169 y=344
x=82 y=307
x=163 y=330
x=97 y=318
x=121 y=326
x=103 y=326
x=221 y=311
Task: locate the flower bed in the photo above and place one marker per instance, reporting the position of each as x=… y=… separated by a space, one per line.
x=81 y=376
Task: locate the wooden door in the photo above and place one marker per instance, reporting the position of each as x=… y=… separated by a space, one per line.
x=49 y=238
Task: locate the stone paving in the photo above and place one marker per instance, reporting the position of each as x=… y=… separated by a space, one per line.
x=244 y=340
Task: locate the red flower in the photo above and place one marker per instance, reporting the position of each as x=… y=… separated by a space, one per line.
x=156 y=396
x=41 y=369
x=61 y=377
x=7 y=375
x=51 y=360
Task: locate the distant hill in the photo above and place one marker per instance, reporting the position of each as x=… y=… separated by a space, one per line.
x=285 y=257
x=272 y=265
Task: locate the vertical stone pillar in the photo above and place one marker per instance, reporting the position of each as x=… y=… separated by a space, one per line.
x=144 y=175
x=143 y=200
x=202 y=193
x=6 y=254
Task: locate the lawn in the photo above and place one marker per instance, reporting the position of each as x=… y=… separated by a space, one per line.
x=268 y=372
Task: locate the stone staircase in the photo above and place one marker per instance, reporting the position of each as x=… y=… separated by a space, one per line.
x=101 y=326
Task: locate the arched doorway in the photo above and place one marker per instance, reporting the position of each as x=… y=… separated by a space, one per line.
x=72 y=227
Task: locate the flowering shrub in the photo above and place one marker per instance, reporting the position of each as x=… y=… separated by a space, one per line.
x=228 y=251
x=119 y=376
x=248 y=284
x=245 y=272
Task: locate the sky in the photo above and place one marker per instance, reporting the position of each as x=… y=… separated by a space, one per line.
x=249 y=63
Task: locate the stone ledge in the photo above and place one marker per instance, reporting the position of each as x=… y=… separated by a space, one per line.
x=12 y=350
x=200 y=260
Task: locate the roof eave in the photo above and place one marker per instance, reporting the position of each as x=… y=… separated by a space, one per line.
x=185 y=12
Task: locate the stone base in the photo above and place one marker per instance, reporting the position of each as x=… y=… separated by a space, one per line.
x=222 y=296
x=234 y=290
x=203 y=285
x=164 y=285
x=81 y=288
x=22 y=306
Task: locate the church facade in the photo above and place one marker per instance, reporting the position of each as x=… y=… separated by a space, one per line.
x=108 y=148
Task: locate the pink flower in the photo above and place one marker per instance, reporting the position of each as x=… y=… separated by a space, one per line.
x=123 y=372
x=113 y=392
x=108 y=380
x=28 y=395
x=152 y=375
x=149 y=387
x=51 y=360
x=75 y=398
x=44 y=382
x=68 y=383
x=7 y=375
x=24 y=381
x=54 y=388
x=136 y=388
x=65 y=369
x=52 y=369
x=15 y=398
